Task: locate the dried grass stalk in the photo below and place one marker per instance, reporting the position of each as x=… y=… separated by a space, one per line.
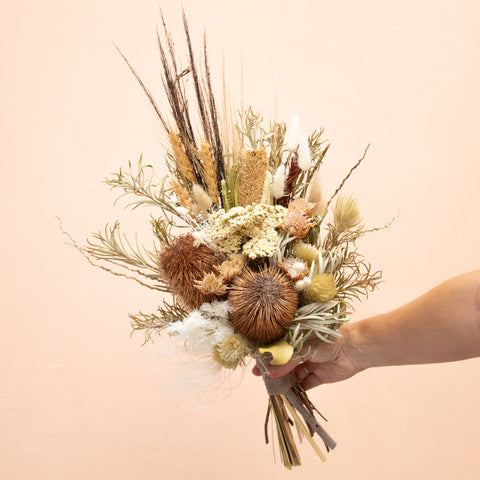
x=182 y=162
x=209 y=171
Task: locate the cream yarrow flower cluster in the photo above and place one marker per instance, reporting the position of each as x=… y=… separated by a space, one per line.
x=251 y=230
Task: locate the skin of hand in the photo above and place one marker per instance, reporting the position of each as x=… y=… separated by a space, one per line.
x=325 y=363
x=442 y=325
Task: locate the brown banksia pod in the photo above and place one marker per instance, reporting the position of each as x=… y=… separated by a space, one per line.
x=183 y=264
x=263 y=303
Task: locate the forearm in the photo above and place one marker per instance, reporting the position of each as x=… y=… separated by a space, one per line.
x=441 y=326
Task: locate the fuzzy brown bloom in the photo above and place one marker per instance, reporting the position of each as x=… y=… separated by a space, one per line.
x=263 y=303
x=182 y=264
x=211 y=285
x=251 y=169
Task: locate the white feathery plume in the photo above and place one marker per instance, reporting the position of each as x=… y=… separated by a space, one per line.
x=278 y=182
x=200 y=332
x=304 y=159
x=316 y=195
x=201 y=197
x=292 y=134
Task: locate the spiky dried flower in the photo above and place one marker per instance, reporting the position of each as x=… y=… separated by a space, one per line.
x=230 y=352
x=183 y=263
x=322 y=288
x=346 y=214
x=296 y=224
x=263 y=303
x=211 y=285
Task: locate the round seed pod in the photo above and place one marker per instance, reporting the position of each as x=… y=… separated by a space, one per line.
x=263 y=303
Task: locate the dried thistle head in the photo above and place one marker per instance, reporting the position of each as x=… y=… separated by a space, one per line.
x=263 y=303
x=183 y=263
x=346 y=214
x=321 y=289
x=230 y=352
x=211 y=285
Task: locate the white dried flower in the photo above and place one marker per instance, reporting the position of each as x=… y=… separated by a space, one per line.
x=201 y=332
x=278 y=182
x=304 y=156
x=292 y=134
x=302 y=284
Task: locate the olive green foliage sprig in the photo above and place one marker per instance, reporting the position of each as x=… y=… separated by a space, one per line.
x=318 y=321
x=141 y=182
x=154 y=323
x=112 y=246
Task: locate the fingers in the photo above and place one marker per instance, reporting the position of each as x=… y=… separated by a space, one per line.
x=281 y=370
x=256 y=371
x=310 y=381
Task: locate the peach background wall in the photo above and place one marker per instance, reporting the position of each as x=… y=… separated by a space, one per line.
x=76 y=398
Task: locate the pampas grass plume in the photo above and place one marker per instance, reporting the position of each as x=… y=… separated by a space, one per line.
x=201 y=197
x=304 y=156
x=292 y=134
x=346 y=214
x=278 y=182
x=316 y=195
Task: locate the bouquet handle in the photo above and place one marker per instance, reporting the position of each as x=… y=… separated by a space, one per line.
x=290 y=406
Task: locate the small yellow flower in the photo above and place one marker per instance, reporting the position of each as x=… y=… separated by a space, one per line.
x=322 y=288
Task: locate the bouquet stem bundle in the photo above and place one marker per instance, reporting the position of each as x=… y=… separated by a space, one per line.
x=291 y=407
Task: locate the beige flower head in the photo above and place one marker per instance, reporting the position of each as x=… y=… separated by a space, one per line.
x=211 y=285
x=230 y=352
x=295 y=268
x=232 y=267
x=296 y=224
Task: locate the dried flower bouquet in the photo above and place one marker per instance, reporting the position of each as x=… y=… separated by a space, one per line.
x=259 y=272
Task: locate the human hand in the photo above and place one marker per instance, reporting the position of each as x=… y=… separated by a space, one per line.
x=319 y=363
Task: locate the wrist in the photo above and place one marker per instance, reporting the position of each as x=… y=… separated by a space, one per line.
x=361 y=352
